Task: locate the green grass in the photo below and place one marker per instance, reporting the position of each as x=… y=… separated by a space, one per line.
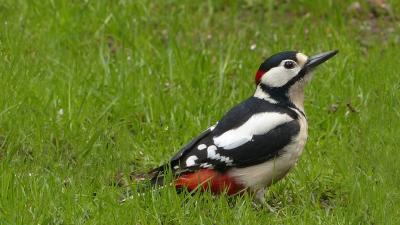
x=90 y=89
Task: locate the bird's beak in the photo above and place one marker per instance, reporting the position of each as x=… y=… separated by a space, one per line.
x=316 y=60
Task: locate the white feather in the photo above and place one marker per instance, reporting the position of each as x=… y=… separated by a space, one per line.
x=211 y=152
x=258 y=124
x=191 y=160
x=201 y=146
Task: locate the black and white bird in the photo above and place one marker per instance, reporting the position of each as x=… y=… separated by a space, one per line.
x=258 y=141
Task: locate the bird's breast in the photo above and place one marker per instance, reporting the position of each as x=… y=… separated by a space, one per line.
x=302 y=136
x=264 y=174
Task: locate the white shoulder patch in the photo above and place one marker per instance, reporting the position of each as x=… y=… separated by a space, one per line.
x=258 y=124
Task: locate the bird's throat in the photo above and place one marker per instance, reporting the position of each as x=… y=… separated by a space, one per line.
x=296 y=96
x=292 y=97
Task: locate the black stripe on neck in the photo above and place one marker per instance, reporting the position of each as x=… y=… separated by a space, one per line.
x=280 y=95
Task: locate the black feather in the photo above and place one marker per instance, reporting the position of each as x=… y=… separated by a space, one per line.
x=262 y=148
x=276 y=59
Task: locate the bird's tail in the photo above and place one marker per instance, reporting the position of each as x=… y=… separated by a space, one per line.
x=155 y=178
x=147 y=182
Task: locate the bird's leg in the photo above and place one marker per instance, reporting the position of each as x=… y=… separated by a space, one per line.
x=259 y=199
x=260 y=196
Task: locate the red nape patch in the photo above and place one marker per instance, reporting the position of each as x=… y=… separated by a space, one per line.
x=207 y=179
x=259 y=74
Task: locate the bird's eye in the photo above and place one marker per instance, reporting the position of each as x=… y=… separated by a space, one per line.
x=289 y=64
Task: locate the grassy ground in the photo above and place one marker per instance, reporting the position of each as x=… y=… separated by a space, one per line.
x=91 y=90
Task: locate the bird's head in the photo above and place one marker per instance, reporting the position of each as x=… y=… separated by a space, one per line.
x=287 y=72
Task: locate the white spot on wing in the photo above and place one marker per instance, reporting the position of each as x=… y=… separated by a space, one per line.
x=258 y=124
x=201 y=147
x=191 y=160
x=206 y=165
x=211 y=152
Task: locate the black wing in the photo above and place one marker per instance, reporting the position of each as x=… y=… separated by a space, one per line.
x=191 y=144
x=261 y=148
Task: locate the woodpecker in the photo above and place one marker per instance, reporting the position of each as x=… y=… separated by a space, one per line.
x=258 y=141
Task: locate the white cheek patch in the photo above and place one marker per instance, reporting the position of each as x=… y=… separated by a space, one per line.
x=258 y=124
x=279 y=76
